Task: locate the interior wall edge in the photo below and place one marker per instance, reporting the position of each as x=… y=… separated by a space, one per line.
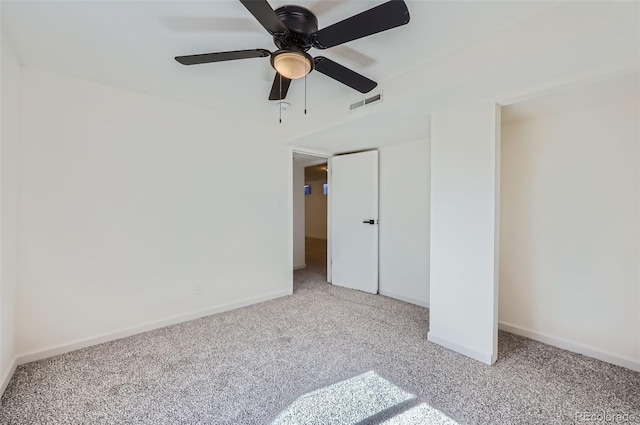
x=571 y=346
x=196 y=105
x=487 y=358
x=7 y=377
x=407 y=299
x=67 y=347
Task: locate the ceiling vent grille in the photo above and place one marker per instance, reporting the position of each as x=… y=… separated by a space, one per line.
x=365 y=102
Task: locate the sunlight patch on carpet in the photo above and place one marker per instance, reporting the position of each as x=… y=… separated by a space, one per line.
x=421 y=414
x=346 y=402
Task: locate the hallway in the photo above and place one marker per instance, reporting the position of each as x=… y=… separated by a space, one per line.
x=316 y=253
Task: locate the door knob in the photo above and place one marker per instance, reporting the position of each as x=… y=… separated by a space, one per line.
x=372 y=221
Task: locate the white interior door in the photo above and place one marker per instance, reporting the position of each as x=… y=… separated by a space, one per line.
x=354 y=221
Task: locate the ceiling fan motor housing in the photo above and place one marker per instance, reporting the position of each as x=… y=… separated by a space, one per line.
x=301 y=23
x=295 y=30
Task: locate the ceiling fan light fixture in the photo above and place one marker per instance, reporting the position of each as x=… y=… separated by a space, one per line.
x=292 y=64
x=294 y=30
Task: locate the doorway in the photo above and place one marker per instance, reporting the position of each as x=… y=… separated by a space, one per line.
x=316 y=190
x=340 y=195
x=311 y=235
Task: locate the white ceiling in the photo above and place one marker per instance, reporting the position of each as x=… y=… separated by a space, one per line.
x=131 y=44
x=377 y=130
x=574 y=98
x=407 y=123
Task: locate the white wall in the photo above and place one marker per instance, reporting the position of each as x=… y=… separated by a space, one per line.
x=315 y=210
x=127 y=201
x=465 y=159
x=570 y=232
x=298 y=215
x=404 y=221
x=10 y=112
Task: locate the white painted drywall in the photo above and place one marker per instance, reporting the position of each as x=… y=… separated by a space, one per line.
x=570 y=211
x=465 y=143
x=127 y=201
x=298 y=215
x=404 y=221
x=9 y=146
x=315 y=210
x=580 y=41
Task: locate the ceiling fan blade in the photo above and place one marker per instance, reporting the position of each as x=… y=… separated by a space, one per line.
x=262 y=11
x=344 y=75
x=384 y=17
x=275 y=88
x=222 y=56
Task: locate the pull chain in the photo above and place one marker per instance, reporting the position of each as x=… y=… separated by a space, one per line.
x=280 y=103
x=305 y=94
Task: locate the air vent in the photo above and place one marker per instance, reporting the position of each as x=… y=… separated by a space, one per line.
x=365 y=102
x=356 y=105
x=373 y=99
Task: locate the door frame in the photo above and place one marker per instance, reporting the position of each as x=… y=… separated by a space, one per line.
x=322 y=157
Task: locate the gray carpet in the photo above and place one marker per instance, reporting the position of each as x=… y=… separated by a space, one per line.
x=324 y=355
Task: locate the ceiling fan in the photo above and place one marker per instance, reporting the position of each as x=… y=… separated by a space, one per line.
x=295 y=31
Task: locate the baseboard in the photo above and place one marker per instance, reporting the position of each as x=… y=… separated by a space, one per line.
x=300 y=267
x=7 y=377
x=571 y=346
x=488 y=358
x=400 y=297
x=123 y=333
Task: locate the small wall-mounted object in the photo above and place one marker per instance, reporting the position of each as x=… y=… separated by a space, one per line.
x=307 y=190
